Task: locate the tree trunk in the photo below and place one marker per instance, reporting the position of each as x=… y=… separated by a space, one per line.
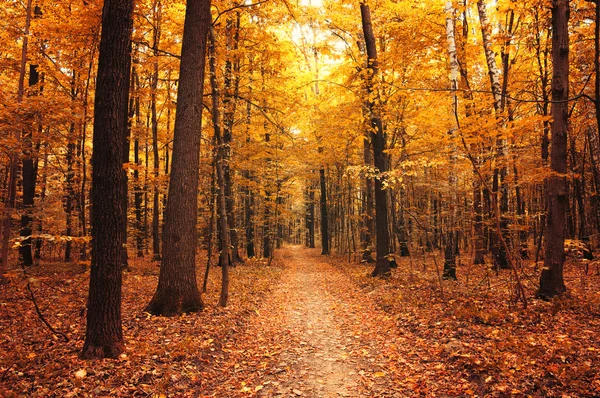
x=70 y=174
x=177 y=290
x=29 y=175
x=220 y=160
x=369 y=230
x=134 y=109
x=104 y=335
x=154 y=83
x=310 y=217
x=551 y=279
x=451 y=238
x=382 y=265
x=230 y=94
x=501 y=192
x=324 y=215
x=267 y=213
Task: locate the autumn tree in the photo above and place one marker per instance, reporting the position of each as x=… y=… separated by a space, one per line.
x=177 y=289
x=551 y=279
x=382 y=265
x=104 y=336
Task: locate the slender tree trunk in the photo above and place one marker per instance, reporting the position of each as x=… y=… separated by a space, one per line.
x=267 y=214
x=368 y=211
x=104 y=335
x=39 y=225
x=29 y=175
x=551 y=279
x=500 y=174
x=324 y=215
x=382 y=265
x=177 y=290
x=154 y=82
x=220 y=159
x=451 y=240
x=230 y=93
x=70 y=174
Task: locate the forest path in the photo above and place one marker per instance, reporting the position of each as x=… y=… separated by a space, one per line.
x=320 y=361
x=311 y=337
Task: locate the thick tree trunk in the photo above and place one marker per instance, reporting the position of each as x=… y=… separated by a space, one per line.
x=551 y=279
x=177 y=290
x=104 y=335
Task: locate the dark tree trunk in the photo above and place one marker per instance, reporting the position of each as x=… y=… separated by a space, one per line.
x=249 y=193
x=125 y=196
x=224 y=259
x=523 y=250
x=369 y=230
x=177 y=290
x=249 y=221
x=310 y=217
x=104 y=334
x=229 y=105
x=154 y=82
x=479 y=230
x=70 y=174
x=551 y=279
x=324 y=215
x=29 y=175
x=267 y=214
x=382 y=265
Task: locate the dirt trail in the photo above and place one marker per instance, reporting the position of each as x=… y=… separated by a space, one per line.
x=320 y=363
x=312 y=336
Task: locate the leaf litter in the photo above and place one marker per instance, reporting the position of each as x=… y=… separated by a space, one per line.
x=309 y=326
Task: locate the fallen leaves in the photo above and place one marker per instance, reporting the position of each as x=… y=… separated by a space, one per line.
x=289 y=329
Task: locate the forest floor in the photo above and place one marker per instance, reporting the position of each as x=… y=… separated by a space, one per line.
x=311 y=326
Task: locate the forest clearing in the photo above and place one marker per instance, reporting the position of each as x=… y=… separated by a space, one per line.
x=313 y=198
x=312 y=326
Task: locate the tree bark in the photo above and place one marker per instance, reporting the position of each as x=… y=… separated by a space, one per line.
x=156 y=159
x=29 y=175
x=451 y=241
x=104 y=335
x=324 y=215
x=551 y=279
x=382 y=264
x=220 y=159
x=177 y=290
x=500 y=193
x=230 y=94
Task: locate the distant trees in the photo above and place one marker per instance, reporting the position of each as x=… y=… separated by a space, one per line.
x=358 y=144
